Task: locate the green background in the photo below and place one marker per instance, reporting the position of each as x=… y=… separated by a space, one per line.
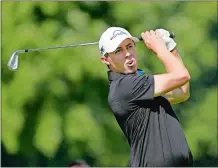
x=54 y=108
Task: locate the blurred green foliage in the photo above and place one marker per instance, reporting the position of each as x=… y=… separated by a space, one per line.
x=54 y=108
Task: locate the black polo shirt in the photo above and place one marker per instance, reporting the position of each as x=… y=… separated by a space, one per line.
x=149 y=123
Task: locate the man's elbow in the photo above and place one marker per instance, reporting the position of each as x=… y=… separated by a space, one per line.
x=184 y=77
x=188 y=76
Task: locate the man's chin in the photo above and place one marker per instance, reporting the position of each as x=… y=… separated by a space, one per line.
x=131 y=70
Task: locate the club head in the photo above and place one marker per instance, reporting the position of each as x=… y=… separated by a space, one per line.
x=13 y=61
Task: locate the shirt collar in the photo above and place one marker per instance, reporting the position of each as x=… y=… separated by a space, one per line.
x=112 y=76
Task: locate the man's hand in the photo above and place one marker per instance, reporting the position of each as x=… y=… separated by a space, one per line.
x=154 y=41
x=169 y=42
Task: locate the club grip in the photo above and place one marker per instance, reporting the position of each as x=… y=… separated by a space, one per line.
x=172 y=35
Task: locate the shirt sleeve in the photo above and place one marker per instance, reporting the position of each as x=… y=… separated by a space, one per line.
x=142 y=87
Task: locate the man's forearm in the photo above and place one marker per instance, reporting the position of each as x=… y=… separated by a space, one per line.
x=180 y=94
x=186 y=87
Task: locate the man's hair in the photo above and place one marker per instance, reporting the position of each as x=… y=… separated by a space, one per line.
x=78 y=163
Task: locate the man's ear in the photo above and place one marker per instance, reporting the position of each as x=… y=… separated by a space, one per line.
x=104 y=60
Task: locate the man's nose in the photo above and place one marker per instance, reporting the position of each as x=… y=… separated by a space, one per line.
x=127 y=54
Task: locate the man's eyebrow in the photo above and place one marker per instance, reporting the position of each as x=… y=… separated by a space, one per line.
x=118 y=48
x=128 y=44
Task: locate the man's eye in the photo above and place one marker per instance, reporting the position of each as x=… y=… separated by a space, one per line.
x=130 y=46
x=117 y=51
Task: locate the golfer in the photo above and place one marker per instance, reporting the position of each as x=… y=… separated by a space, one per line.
x=141 y=103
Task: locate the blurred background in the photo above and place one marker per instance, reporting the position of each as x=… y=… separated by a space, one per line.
x=54 y=108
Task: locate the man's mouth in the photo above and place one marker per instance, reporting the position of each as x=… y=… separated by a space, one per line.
x=130 y=63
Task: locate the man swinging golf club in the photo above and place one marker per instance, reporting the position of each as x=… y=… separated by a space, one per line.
x=141 y=103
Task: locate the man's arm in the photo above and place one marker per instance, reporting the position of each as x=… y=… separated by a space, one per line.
x=180 y=94
x=177 y=75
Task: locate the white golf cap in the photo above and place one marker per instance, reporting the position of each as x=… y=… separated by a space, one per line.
x=111 y=39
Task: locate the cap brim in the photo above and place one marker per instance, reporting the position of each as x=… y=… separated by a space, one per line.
x=116 y=43
x=135 y=39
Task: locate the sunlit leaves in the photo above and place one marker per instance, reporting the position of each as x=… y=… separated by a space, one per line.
x=48 y=134
x=80 y=126
x=203 y=125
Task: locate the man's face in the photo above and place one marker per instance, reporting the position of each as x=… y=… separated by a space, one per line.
x=123 y=59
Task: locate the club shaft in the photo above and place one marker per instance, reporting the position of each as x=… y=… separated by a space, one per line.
x=56 y=47
x=71 y=45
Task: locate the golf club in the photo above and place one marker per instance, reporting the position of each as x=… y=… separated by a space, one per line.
x=13 y=61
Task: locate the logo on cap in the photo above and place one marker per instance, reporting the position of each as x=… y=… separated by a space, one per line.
x=102 y=50
x=117 y=33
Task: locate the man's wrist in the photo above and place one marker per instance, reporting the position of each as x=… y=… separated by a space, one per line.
x=174 y=51
x=163 y=53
